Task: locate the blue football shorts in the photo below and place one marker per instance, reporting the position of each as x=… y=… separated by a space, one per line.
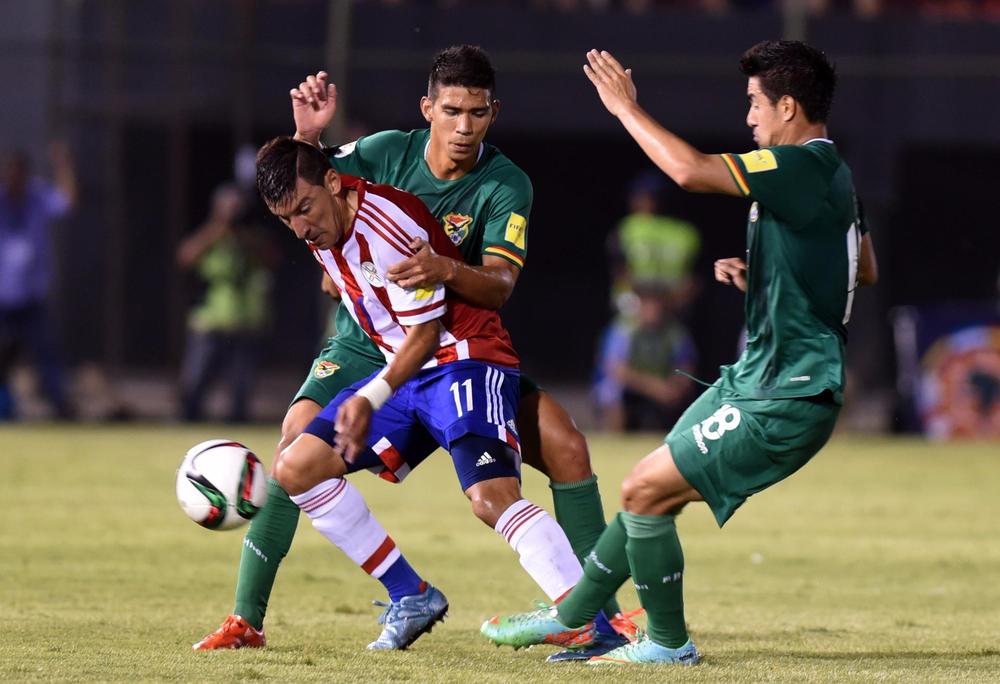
x=438 y=408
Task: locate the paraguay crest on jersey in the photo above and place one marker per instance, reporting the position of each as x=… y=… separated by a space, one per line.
x=457 y=227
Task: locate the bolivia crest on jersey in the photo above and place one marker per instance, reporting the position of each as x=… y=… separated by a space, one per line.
x=325 y=369
x=457 y=227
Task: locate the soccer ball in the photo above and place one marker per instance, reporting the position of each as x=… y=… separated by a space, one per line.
x=221 y=484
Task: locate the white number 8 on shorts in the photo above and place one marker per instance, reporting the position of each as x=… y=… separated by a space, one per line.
x=726 y=418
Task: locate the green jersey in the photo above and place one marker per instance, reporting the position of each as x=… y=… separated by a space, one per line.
x=803 y=241
x=485 y=212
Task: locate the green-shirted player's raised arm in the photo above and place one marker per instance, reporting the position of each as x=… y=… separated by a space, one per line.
x=689 y=168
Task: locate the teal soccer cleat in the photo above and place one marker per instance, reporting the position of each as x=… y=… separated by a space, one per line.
x=648 y=652
x=537 y=627
x=405 y=620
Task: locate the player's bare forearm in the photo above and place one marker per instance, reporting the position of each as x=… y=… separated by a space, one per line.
x=692 y=170
x=867 y=263
x=422 y=340
x=488 y=286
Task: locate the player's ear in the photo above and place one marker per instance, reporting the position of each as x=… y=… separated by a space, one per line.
x=495 y=107
x=426 y=107
x=331 y=179
x=788 y=108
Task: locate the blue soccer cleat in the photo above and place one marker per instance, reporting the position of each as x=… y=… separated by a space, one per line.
x=645 y=651
x=405 y=620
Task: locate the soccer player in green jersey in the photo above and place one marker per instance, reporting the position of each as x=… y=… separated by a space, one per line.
x=483 y=201
x=771 y=411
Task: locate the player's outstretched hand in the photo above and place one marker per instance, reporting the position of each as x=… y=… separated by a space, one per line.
x=314 y=103
x=732 y=271
x=613 y=82
x=354 y=418
x=426 y=268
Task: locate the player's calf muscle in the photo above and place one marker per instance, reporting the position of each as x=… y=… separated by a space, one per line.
x=559 y=449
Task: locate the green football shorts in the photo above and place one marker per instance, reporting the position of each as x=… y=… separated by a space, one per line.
x=729 y=448
x=339 y=366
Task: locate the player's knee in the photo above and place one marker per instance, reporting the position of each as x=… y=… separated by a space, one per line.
x=491 y=498
x=290 y=472
x=296 y=420
x=638 y=494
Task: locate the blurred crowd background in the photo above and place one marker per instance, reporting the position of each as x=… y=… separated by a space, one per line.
x=141 y=278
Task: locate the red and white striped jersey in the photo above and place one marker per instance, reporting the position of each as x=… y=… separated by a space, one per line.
x=387 y=220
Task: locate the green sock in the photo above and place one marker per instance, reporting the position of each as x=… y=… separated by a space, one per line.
x=581 y=515
x=604 y=571
x=266 y=543
x=657 y=563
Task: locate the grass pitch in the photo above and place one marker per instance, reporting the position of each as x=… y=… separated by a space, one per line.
x=878 y=562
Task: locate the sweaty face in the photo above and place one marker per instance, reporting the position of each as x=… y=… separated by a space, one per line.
x=763 y=117
x=459 y=119
x=313 y=214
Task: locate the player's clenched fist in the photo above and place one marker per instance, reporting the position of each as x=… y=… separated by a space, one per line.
x=314 y=103
x=732 y=271
x=353 y=421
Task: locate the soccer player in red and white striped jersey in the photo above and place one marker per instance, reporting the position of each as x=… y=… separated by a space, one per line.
x=383 y=228
x=451 y=381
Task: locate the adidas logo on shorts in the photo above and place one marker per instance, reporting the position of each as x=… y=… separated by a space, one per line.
x=485 y=459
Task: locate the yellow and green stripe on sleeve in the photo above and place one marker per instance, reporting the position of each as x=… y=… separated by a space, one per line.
x=737 y=173
x=513 y=257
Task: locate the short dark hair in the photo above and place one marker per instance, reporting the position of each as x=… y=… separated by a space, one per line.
x=281 y=161
x=790 y=67
x=462 y=65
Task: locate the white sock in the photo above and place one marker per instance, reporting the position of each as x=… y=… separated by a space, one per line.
x=340 y=513
x=545 y=552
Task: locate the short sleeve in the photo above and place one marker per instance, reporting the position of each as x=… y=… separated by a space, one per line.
x=366 y=157
x=506 y=232
x=415 y=306
x=789 y=180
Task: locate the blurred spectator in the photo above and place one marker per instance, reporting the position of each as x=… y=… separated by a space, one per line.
x=235 y=259
x=650 y=249
x=652 y=258
x=27 y=207
x=639 y=387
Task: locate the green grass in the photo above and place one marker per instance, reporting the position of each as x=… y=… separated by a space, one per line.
x=878 y=562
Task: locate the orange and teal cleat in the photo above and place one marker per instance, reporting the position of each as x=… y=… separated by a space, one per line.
x=537 y=627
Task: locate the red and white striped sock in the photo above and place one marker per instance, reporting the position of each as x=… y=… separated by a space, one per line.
x=542 y=545
x=340 y=513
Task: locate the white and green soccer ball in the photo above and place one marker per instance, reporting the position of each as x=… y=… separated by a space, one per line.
x=221 y=484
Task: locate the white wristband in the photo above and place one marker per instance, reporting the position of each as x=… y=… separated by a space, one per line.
x=377 y=392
